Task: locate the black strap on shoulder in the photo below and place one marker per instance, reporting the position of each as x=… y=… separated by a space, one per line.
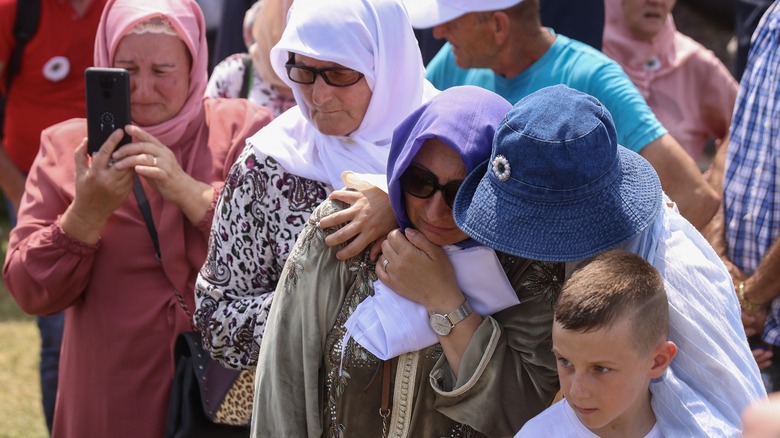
x=247 y=82
x=146 y=211
x=28 y=13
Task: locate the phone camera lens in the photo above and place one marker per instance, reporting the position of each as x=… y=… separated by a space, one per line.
x=107 y=82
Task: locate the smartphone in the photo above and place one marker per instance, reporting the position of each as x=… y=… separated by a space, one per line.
x=108 y=105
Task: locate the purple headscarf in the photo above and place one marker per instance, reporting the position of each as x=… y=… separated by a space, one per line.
x=465 y=118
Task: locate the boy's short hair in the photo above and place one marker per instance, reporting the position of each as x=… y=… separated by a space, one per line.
x=613 y=285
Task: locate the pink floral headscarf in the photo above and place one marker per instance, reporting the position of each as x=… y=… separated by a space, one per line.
x=121 y=16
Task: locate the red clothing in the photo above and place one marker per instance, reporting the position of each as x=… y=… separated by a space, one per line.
x=122 y=316
x=40 y=96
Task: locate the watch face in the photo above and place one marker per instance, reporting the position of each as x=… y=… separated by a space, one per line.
x=440 y=324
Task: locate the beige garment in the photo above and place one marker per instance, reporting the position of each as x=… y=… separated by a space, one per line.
x=507 y=373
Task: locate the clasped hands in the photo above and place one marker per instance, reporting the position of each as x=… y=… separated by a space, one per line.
x=409 y=263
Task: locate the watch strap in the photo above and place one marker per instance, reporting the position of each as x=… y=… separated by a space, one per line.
x=461 y=313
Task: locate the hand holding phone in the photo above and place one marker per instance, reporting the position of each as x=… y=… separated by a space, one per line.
x=108 y=105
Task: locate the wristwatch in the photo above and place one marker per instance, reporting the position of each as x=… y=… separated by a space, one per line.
x=442 y=324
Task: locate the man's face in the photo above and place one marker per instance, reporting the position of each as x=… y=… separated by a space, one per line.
x=471 y=36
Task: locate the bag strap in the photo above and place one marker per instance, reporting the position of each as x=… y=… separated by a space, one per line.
x=146 y=212
x=246 y=85
x=28 y=14
x=384 y=408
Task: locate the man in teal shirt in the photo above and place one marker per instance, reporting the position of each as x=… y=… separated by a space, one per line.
x=502 y=46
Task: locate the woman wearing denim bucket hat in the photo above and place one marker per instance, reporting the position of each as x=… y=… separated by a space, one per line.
x=329 y=354
x=558 y=187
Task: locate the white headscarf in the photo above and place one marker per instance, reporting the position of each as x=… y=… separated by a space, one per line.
x=373 y=37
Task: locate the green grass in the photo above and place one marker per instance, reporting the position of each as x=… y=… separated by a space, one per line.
x=21 y=415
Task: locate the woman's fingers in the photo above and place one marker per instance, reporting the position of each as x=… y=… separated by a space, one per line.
x=102 y=157
x=146 y=155
x=140 y=135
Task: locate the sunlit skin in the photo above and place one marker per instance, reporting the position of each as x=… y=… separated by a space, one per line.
x=432 y=216
x=471 y=40
x=646 y=18
x=334 y=110
x=605 y=378
x=159 y=67
x=762 y=418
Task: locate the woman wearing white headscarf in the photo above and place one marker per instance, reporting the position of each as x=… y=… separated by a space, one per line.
x=356 y=71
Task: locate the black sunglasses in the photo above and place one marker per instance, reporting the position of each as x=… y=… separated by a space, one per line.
x=421 y=183
x=334 y=76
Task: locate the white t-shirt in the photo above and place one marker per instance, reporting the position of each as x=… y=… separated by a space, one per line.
x=560 y=421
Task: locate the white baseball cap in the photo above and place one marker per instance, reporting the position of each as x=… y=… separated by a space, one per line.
x=428 y=13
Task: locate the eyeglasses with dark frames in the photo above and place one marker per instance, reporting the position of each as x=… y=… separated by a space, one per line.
x=422 y=184
x=333 y=76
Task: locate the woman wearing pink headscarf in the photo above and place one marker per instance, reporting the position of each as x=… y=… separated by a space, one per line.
x=82 y=243
x=689 y=89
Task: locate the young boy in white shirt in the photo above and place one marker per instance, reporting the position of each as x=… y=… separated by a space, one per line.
x=610 y=337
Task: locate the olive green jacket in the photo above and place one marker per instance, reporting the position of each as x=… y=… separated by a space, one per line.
x=507 y=373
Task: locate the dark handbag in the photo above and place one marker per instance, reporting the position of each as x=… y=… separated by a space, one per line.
x=199 y=392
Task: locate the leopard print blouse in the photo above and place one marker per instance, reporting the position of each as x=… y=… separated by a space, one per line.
x=258 y=217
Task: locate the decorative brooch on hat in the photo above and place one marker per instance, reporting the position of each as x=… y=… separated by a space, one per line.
x=501 y=168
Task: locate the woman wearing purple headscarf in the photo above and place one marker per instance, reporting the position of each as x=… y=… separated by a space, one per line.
x=347 y=354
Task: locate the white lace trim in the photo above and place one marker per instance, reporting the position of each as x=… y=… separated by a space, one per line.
x=158 y=25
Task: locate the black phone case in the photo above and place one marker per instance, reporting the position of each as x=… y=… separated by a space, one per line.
x=108 y=104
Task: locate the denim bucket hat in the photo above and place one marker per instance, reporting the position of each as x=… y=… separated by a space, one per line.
x=557 y=186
